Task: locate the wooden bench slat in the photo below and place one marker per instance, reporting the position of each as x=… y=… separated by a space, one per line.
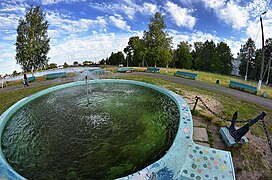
x=243 y=86
x=125 y=70
x=156 y=70
x=55 y=75
x=186 y=74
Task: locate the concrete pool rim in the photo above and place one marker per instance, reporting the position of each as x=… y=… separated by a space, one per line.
x=174 y=160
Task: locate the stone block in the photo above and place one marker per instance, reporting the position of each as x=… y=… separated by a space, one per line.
x=200 y=134
x=229 y=140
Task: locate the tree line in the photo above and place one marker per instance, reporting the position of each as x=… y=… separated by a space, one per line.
x=155 y=49
x=251 y=59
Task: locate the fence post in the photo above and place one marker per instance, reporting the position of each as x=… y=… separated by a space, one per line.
x=195 y=103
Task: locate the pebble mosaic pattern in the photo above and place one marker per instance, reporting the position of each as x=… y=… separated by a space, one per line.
x=184 y=160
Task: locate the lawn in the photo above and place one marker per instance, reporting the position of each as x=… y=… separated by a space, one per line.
x=211 y=78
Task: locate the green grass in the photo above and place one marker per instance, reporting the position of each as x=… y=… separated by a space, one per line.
x=211 y=78
x=7 y=99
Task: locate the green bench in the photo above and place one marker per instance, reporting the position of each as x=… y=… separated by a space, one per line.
x=31 y=79
x=56 y=75
x=242 y=86
x=125 y=70
x=152 y=69
x=98 y=71
x=186 y=74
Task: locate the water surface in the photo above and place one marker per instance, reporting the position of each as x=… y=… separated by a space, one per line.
x=59 y=135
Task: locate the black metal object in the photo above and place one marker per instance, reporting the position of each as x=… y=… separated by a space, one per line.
x=243 y=121
x=237 y=134
x=195 y=103
x=214 y=113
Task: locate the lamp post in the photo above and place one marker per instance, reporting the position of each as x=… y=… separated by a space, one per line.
x=269 y=67
x=262 y=66
x=248 y=59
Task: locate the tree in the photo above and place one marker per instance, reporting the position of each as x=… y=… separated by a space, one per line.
x=65 y=65
x=102 y=62
x=134 y=51
x=206 y=57
x=225 y=57
x=183 y=57
x=75 y=63
x=32 y=42
x=157 y=42
x=15 y=73
x=116 y=58
x=52 y=66
x=247 y=52
x=87 y=63
x=268 y=58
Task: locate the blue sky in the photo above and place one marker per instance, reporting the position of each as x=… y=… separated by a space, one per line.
x=91 y=29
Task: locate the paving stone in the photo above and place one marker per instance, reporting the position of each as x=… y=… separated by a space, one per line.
x=198 y=122
x=202 y=143
x=200 y=134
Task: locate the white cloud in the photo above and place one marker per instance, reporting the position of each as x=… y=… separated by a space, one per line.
x=256 y=7
x=180 y=15
x=149 y=9
x=119 y=22
x=94 y=47
x=7 y=59
x=48 y=2
x=234 y=15
x=127 y=7
x=8 y=21
x=64 y=24
x=254 y=28
x=229 y=12
x=214 y=4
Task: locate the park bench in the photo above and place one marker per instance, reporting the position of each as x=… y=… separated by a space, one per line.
x=152 y=69
x=31 y=79
x=186 y=74
x=56 y=75
x=98 y=71
x=242 y=86
x=125 y=70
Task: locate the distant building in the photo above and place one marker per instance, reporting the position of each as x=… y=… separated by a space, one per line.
x=236 y=64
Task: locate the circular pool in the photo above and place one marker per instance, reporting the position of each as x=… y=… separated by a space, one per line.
x=117 y=128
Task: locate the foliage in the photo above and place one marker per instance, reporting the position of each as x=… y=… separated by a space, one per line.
x=157 y=42
x=211 y=58
x=224 y=53
x=65 y=65
x=254 y=58
x=116 y=58
x=15 y=73
x=247 y=52
x=32 y=42
x=182 y=56
x=52 y=66
x=87 y=63
x=134 y=51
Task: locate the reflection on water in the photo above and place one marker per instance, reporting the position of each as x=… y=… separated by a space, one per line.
x=122 y=130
